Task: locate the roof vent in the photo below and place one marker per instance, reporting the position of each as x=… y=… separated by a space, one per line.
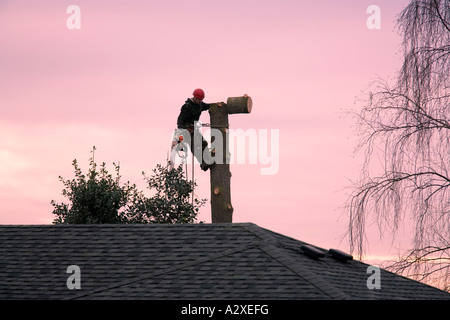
x=340 y=255
x=312 y=252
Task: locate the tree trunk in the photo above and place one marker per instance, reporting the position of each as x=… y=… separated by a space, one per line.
x=220 y=175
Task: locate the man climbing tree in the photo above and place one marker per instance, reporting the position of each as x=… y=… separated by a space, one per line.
x=189 y=114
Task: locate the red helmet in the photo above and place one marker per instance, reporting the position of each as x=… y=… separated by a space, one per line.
x=199 y=94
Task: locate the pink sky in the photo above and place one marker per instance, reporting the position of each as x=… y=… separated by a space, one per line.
x=118 y=83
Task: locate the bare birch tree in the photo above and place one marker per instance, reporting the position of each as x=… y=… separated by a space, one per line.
x=407 y=121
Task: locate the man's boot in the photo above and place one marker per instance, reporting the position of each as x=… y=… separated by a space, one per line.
x=204 y=166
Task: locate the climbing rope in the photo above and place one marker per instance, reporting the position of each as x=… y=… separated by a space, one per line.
x=193 y=181
x=182 y=152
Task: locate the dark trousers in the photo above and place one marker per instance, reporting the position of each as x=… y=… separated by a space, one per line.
x=196 y=142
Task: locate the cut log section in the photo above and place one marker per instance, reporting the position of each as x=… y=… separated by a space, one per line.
x=239 y=105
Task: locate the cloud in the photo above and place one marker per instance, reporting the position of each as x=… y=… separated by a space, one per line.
x=11 y=165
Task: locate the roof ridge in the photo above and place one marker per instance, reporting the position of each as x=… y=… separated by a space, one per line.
x=169 y=270
x=262 y=233
x=272 y=246
x=282 y=257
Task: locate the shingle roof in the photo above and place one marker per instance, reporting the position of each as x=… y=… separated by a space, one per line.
x=184 y=261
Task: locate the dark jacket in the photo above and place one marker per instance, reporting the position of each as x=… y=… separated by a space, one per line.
x=190 y=112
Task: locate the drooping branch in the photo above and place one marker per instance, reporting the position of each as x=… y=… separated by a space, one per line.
x=428 y=264
x=406 y=124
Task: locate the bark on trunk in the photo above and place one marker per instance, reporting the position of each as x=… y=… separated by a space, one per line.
x=220 y=175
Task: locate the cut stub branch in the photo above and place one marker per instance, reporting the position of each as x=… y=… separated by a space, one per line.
x=239 y=104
